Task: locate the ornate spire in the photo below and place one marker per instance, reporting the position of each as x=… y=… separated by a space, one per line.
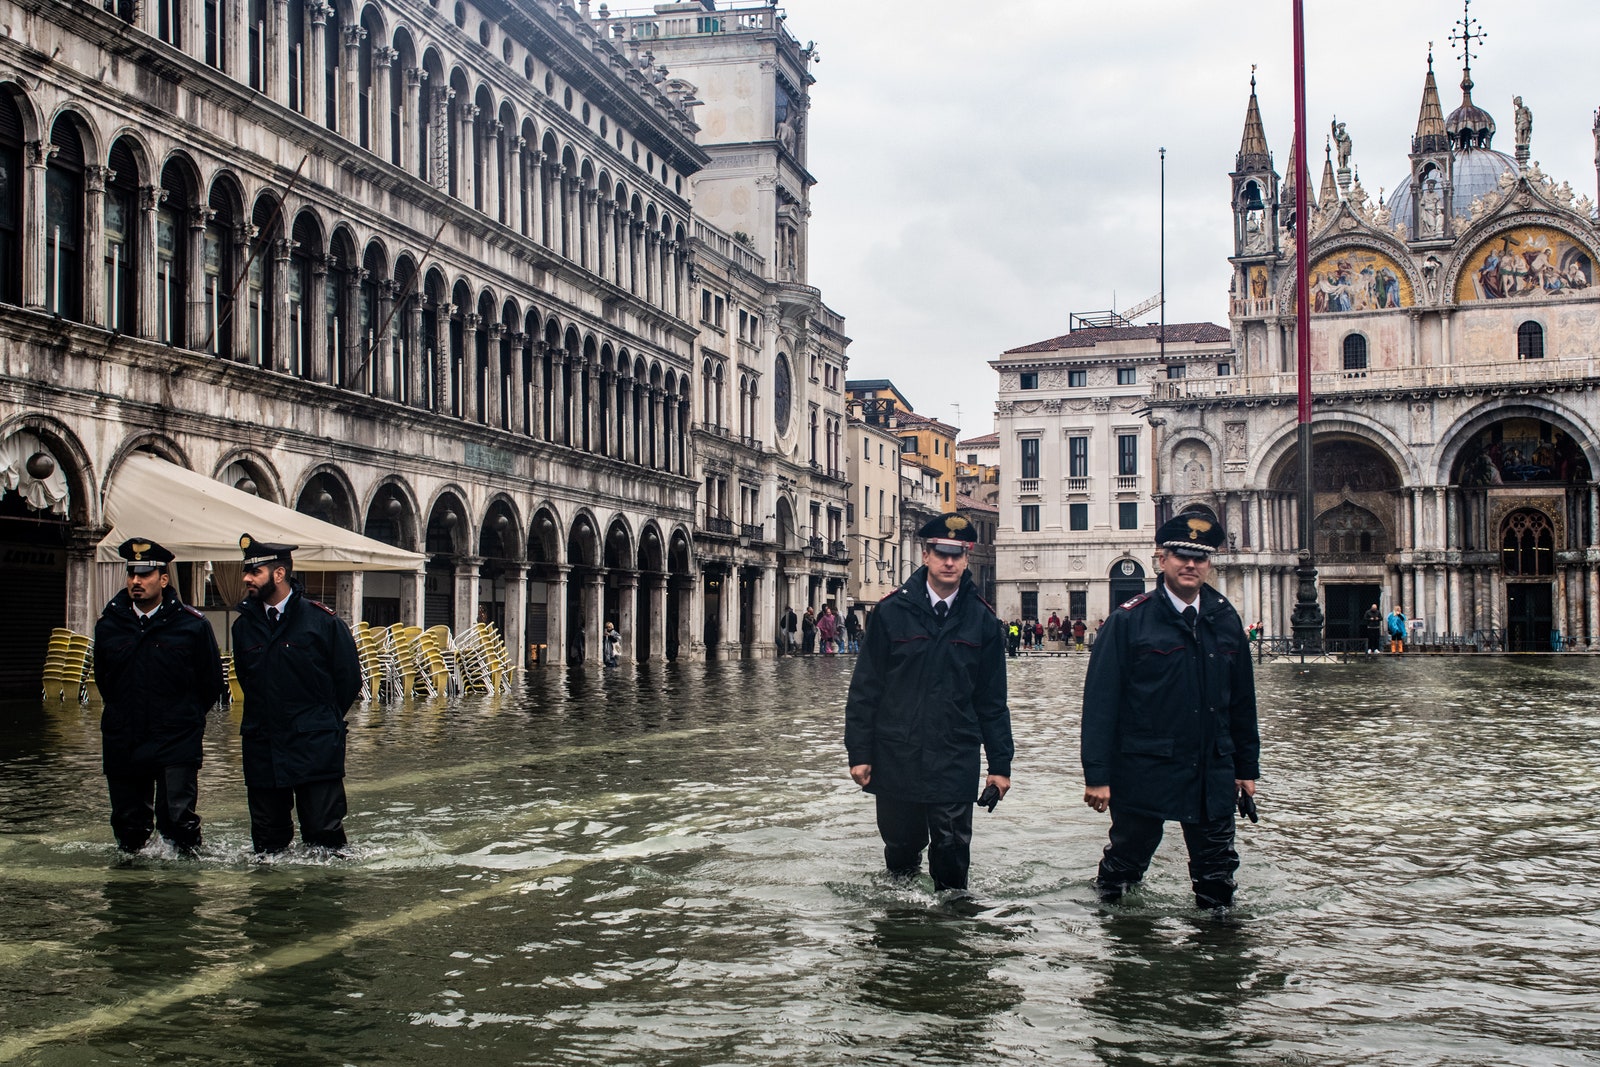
x=1468 y=126
x=1253 y=153
x=1430 y=135
x=1328 y=198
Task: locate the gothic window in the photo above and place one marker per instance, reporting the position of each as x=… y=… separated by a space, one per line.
x=1530 y=341
x=63 y=223
x=335 y=321
x=1355 y=353
x=261 y=284
x=1527 y=544
x=1350 y=530
x=121 y=220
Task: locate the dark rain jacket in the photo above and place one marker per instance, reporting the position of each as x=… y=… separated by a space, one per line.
x=1169 y=715
x=299 y=678
x=926 y=694
x=158 y=682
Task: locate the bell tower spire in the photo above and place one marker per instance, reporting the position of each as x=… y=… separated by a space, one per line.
x=1432 y=168
x=1255 y=188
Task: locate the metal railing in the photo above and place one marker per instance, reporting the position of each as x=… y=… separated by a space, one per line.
x=753 y=531
x=1505 y=372
x=1492 y=639
x=719 y=526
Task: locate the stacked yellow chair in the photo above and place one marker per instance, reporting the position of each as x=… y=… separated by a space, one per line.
x=371 y=662
x=67 y=662
x=435 y=661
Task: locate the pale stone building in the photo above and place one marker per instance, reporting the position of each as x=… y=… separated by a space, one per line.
x=873 y=454
x=1453 y=346
x=1077 y=461
x=425 y=272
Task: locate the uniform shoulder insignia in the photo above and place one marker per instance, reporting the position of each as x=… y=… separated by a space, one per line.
x=988 y=605
x=886 y=596
x=192 y=610
x=324 y=607
x=1133 y=602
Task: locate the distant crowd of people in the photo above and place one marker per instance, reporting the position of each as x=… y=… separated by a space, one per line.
x=815 y=632
x=1027 y=635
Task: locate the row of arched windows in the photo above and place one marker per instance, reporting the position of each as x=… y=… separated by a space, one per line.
x=1530 y=345
x=151 y=255
x=482 y=146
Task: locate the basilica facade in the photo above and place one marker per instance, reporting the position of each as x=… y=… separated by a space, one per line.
x=428 y=271
x=1456 y=426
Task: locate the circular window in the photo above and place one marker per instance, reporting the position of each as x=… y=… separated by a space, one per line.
x=677 y=184
x=566 y=98
x=663 y=174
x=483 y=34
x=585 y=114
x=649 y=161
x=619 y=140
x=549 y=85
x=636 y=151
x=461 y=15
x=602 y=125
x=782 y=390
x=527 y=68
x=505 y=49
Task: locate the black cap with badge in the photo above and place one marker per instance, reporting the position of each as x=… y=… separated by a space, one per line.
x=144 y=555
x=260 y=553
x=950 y=534
x=1190 y=535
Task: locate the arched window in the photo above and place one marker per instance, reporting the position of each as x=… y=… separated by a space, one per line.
x=172 y=260
x=1527 y=544
x=262 y=283
x=368 y=320
x=334 y=304
x=1530 y=341
x=11 y=183
x=332 y=48
x=122 y=199
x=1355 y=353
x=219 y=268
x=63 y=224
x=366 y=120
x=300 y=288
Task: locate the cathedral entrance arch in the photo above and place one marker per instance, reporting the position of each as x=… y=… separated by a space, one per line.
x=1127 y=581
x=1527 y=558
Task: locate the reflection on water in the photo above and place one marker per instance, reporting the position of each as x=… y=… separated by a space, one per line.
x=670 y=866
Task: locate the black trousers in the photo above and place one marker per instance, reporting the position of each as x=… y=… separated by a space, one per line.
x=321 y=806
x=175 y=789
x=945 y=830
x=1212 y=859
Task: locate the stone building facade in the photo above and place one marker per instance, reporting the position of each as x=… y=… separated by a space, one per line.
x=1456 y=426
x=1077 y=463
x=426 y=270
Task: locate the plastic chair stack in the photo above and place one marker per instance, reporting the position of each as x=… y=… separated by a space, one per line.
x=68 y=660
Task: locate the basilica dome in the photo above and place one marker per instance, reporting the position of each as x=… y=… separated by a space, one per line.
x=1477 y=171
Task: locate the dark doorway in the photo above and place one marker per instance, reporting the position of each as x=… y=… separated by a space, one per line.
x=1127 y=582
x=712 y=635
x=1530 y=617
x=35 y=553
x=1344 y=608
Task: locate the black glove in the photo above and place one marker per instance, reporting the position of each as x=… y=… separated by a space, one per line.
x=990 y=797
x=1247 y=806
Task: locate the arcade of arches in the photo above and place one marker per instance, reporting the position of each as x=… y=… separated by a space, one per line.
x=1505 y=547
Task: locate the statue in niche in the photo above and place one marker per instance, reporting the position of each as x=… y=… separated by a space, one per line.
x=1255 y=233
x=1430 y=211
x=1342 y=144
x=1523 y=121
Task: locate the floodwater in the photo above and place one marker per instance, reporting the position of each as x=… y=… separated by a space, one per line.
x=669 y=866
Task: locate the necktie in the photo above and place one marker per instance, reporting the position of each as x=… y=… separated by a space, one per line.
x=1189 y=615
x=272 y=616
x=941 y=609
x=144 y=620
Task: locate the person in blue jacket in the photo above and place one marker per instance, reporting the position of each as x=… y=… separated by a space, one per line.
x=297 y=664
x=929 y=690
x=1169 y=720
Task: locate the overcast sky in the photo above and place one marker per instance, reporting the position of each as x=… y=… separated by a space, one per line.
x=988 y=166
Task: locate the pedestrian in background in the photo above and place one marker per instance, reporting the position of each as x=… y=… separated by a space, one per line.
x=1169 y=721
x=1396 y=624
x=1374 y=625
x=1078 y=630
x=828 y=630
x=929 y=690
x=789 y=624
x=852 y=630
x=808 y=631
x=297 y=664
x=610 y=644
x=159 y=672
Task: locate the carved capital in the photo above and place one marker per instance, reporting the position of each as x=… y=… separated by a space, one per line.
x=383 y=58
x=96 y=177
x=497 y=330
x=415 y=76
x=495 y=128
x=282 y=248
x=353 y=36
x=38 y=153
x=200 y=216
x=471 y=111
x=471 y=321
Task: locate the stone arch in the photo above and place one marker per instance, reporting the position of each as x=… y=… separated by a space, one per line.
x=448 y=530
x=500 y=533
x=651 y=554
x=151 y=441
x=544 y=542
x=1193 y=467
x=392 y=514
x=84 y=496
x=583 y=540
x=246 y=464
x=618 y=547
x=1282 y=441
x=327 y=494
x=1349 y=532
x=1461 y=434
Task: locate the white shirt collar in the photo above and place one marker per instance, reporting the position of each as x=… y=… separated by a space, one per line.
x=1177 y=604
x=280 y=604
x=934 y=599
x=146 y=614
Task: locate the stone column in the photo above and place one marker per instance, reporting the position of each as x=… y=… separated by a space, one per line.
x=283 y=339
x=385 y=381
x=277 y=72
x=572 y=229
x=412 y=598
x=535 y=191
x=536 y=385
x=314 y=304
x=605 y=207
x=1458 y=615
x=413 y=312
x=493 y=377
x=518 y=200
x=470 y=323
x=466 y=154
x=1441 y=608
x=636 y=278
x=556 y=620
x=197 y=322
x=766 y=608
x=94 y=244
x=409 y=120
x=594 y=599
x=349 y=106
x=35 y=240
x=560 y=221
x=357 y=363
x=619 y=243
x=517 y=416
x=516 y=614
x=628 y=613
x=383 y=58
x=352 y=590
x=315 y=76
x=558 y=397
x=591 y=410
x=466 y=591
x=148 y=320
x=441 y=357
x=624 y=415
x=656 y=586
x=492 y=130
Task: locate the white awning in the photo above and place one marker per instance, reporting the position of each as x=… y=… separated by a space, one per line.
x=198 y=518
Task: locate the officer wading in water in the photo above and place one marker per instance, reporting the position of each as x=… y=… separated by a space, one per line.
x=929 y=689
x=298 y=667
x=158 y=670
x=1169 y=721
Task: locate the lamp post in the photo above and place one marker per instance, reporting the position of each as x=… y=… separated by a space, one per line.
x=1306 y=622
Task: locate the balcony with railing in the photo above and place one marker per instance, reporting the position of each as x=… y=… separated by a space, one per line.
x=752 y=532
x=720 y=526
x=1077 y=485
x=837 y=551
x=1027 y=487
x=816 y=546
x=740 y=254
x=1505 y=373
x=1127 y=483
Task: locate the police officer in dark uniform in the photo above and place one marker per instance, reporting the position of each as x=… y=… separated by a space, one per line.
x=159 y=673
x=1169 y=720
x=929 y=689
x=297 y=664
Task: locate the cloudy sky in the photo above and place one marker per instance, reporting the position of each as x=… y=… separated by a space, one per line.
x=988 y=166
